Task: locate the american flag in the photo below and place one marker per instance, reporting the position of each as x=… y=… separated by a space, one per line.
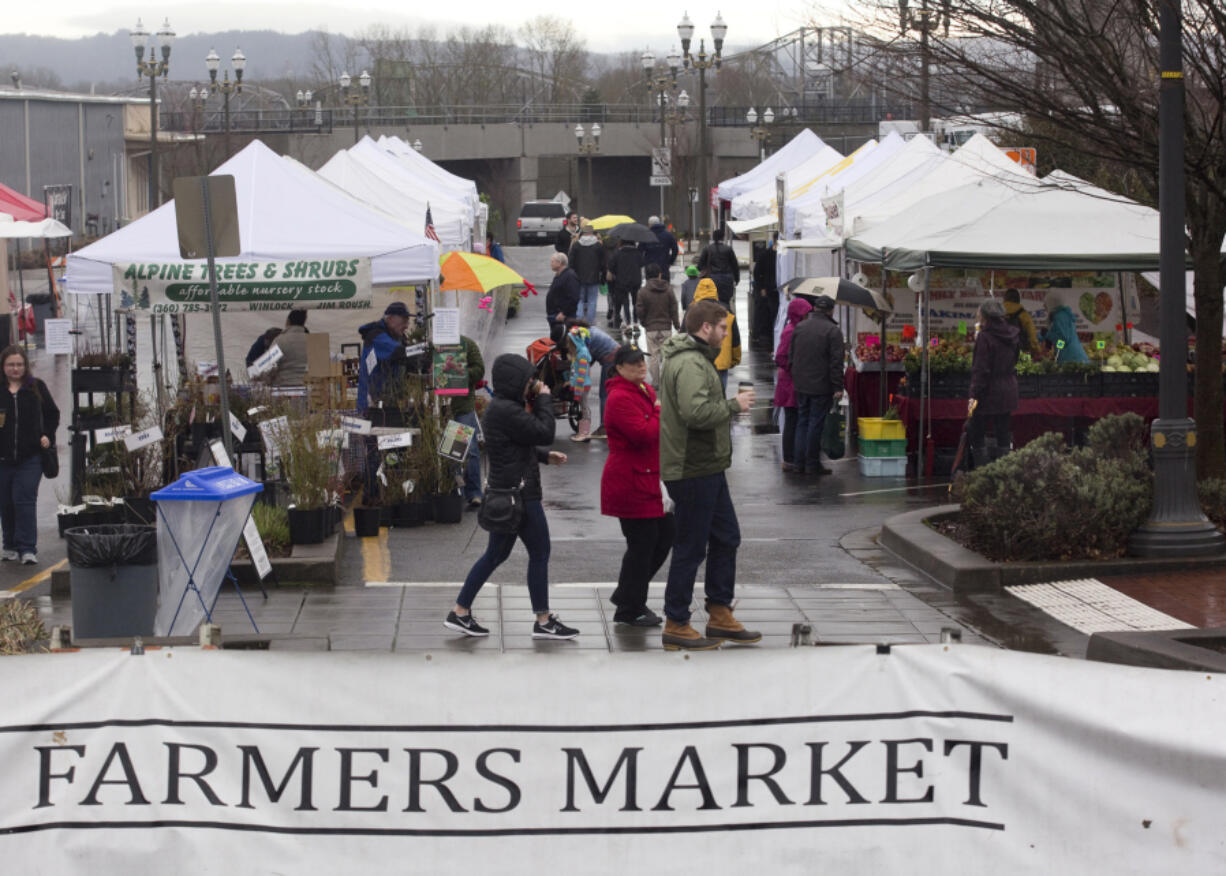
x=430 y=232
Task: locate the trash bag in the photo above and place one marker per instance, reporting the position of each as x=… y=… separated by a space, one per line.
x=834 y=433
x=116 y=544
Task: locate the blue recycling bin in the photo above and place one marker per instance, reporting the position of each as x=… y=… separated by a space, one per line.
x=200 y=520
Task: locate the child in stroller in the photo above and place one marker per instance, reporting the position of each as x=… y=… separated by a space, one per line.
x=553 y=369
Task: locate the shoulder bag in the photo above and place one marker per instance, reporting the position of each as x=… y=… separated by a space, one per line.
x=502 y=509
x=50 y=456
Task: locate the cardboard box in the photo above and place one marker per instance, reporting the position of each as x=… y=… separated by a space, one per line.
x=319 y=357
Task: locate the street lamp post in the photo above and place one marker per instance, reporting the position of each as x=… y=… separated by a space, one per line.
x=153 y=68
x=702 y=63
x=925 y=23
x=760 y=133
x=360 y=97
x=589 y=146
x=238 y=61
x=664 y=85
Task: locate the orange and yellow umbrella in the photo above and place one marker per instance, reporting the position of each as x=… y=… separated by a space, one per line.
x=472 y=272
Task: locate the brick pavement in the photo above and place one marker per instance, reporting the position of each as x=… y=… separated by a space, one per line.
x=1197 y=597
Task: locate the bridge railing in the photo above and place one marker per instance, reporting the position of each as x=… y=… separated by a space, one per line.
x=324 y=120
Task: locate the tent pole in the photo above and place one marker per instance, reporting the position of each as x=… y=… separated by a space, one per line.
x=21 y=285
x=928 y=446
x=883 y=391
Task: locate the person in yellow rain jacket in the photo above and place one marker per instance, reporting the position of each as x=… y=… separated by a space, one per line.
x=730 y=351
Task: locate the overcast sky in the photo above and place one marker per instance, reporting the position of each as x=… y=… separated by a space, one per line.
x=607 y=26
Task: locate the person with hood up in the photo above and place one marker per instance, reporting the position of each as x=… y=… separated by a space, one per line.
x=589 y=261
x=664 y=251
x=730 y=345
x=577 y=338
x=1062 y=334
x=785 y=391
x=1016 y=316
x=815 y=363
x=519 y=427
x=993 y=382
x=625 y=278
x=630 y=486
x=689 y=286
x=656 y=309
x=695 y=452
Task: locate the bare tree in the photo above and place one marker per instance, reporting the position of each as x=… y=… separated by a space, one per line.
x=1084 y=74
x=558 y=55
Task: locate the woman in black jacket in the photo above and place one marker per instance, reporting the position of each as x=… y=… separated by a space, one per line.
x=514 y=435
x=28 y=420
x=993 y=382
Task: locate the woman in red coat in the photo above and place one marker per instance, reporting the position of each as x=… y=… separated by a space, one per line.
x=630 y=485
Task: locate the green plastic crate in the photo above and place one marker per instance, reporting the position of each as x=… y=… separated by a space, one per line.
x=883 y=447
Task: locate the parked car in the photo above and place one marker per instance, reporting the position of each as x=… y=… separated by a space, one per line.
x=539 y=222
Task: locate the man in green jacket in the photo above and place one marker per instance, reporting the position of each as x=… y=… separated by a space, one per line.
x=695 y=451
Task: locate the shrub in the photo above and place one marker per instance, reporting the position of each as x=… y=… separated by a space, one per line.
x=1213 y=500
x=1043 y=502
x=273 y=523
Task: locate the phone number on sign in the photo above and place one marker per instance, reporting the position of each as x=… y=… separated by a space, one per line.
x=186 y=307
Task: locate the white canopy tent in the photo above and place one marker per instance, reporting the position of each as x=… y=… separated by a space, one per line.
x=761 y=201
x=799 y=149
x=855 y=166
x=388 y=193
x=283 y=214
x=978 y=158
x=444 y=179
x=447 y=202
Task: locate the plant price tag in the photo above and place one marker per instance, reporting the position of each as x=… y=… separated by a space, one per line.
x=415 y=350
x=332 y=437
x=371 y=361
x=356 y=424
x=237 y=428
x=398 y=439
x=115 y=433
x=265 y=362
x=143 y=439
x=255 y=547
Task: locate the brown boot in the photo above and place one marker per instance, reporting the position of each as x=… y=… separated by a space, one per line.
x=679 y=636
x=722 y=625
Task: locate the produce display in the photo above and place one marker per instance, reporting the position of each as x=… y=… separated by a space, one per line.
x=867 y=353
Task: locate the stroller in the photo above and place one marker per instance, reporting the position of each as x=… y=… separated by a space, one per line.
x=552 y=369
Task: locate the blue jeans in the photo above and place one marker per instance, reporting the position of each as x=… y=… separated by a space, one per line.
x=472 y=463
x=589 y=298
x=534 y=533
x=810 y=417
x=19 y=503
x=706 y=528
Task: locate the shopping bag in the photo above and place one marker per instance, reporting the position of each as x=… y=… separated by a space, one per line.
x=834 y=433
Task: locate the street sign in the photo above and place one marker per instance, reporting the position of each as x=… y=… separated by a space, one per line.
x=661 y=167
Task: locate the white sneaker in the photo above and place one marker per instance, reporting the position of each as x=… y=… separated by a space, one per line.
x=8 y=555
x=29 y=559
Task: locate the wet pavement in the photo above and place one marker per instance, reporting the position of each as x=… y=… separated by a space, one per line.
x=808 y=555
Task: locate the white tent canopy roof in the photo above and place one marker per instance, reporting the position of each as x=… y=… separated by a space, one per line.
x=978 y=158
x=423 y=165
x=356 y=177
x=283 y=214
x=11 y=229
x=800 y=179
x=1057 y=224
x=797 y=150
x=854 y=167
x=451 y=198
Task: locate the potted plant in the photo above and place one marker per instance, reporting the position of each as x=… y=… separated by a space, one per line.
x=400 y=488
x=309 y=471
x=367 y=517
x=100 y=372
x=440 y=480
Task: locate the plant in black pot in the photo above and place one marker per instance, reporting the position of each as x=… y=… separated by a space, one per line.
x=400 y=489
x=439 y=478
x=309 y=473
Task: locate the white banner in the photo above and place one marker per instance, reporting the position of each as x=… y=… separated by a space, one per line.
x=183 y=287
x=929 y=759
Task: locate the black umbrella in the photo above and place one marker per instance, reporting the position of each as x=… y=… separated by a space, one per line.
x=842 y=291
x=633 y=231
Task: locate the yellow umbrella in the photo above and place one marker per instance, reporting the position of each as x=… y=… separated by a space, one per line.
x=604 y=223
x=472 y=272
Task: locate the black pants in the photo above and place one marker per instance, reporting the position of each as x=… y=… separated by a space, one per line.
x=648 y=541
x=789 y=435
x=622 y=305
x=976 y=432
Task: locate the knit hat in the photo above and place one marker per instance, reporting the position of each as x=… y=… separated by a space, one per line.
x=397 y=308
x=691 y=271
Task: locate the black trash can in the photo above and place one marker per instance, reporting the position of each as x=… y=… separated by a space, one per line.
x=113 y=575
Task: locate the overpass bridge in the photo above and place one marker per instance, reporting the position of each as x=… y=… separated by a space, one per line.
x=521 y=153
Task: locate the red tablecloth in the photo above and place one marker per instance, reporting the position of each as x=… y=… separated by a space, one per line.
x=1033 y=417
x=863 y=389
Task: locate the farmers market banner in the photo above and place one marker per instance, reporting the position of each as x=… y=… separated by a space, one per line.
x=930 y=758
x=183 y=287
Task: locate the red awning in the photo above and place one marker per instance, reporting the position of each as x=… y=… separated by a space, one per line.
x=23 y=209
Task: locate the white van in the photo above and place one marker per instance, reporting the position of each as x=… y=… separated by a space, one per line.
x=539 y=222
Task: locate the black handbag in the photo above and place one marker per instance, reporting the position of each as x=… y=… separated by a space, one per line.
x=50 y=456
x=502 y=509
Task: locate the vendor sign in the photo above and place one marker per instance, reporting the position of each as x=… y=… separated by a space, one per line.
x=450 y=370
x=183 y=287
